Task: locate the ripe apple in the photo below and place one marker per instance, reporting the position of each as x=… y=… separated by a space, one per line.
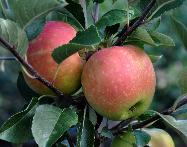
x=119 y=82
x=159 y=138
x=126 y=139
x=66 y=76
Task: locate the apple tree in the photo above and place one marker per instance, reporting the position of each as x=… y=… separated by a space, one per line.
x=87 y=74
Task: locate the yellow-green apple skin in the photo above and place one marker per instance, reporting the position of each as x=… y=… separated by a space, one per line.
x=119 y=82
x=65 y=76
x=159 y=138
x=124 y=140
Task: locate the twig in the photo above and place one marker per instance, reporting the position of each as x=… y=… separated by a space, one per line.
x=96 y=12
x=122 y=124
x=142 y=124
x=32 y=71
x=62 y=98
x=141 y=19
x=8 y=58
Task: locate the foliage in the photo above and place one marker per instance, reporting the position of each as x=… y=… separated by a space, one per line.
x=48 y=123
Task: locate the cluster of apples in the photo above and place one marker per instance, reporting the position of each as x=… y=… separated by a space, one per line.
x=118 y=82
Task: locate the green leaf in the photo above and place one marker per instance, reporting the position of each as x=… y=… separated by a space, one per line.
x=180 y=113
x=181 y=30
x=2 y=9
x=113 y=17
x=147 y=115
x=1 y=6
x=166 y=6
x=61 y=53
x=77 y=11
x=86 y=131
x=35 y=27
x=154 y=24
x=151 y=37
x=82 y=37
x=142 y=35
x=92 y=116
x=155 y=58
x=50 y=123
x=65 y=17
x=24 y=89
x=126 y=139
x=18 y=127
x=110 y=31
x=142 y=138
x=25 y=11
x=181 y=98
x=135 y=42
x=160 y=2
x=1 y=15
x=142 y=4
x=81 y=41
x=84 y=9
x=180 y=126
x=12 y=33
x=106 y=133
x=162 y=40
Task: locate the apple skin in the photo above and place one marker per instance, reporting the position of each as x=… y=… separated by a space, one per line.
x=159 y=138
x=66 y=76
x=126 y=139
x=119 y=82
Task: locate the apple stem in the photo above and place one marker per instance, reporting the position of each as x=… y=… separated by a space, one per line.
x=121 y=127
x=136 y=24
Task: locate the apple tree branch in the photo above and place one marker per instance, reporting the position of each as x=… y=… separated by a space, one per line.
x=122 y=126
x=136 y=24
x=32 y=71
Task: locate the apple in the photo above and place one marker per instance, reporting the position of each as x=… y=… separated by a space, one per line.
x=119 y=82
x=65 y=76
x=126 y=139
x=159 y=138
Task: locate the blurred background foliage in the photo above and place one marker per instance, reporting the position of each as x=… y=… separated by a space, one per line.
x=168 y=69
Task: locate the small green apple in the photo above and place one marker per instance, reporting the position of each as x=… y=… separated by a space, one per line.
x=119 y=82
x=126 y=139
x=66 y=76
x=159 y=138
